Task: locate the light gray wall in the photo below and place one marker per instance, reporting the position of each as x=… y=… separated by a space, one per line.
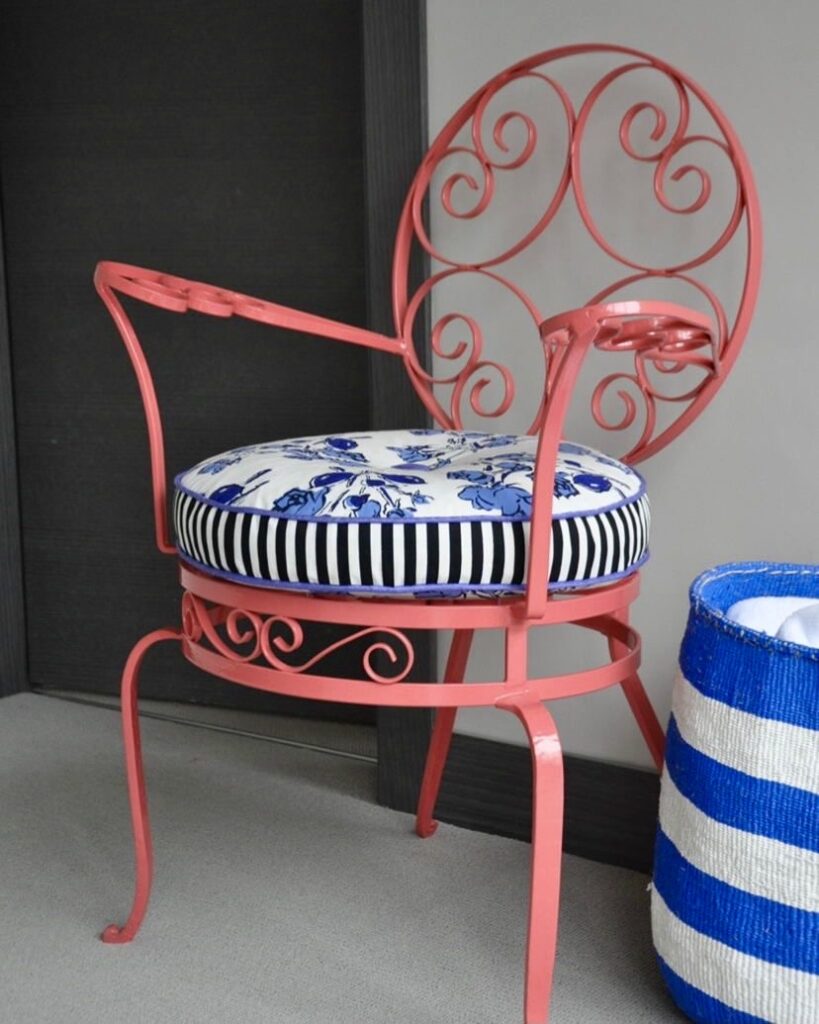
x=743 y=482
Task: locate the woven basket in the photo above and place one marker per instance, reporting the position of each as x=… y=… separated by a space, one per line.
x=735 y=900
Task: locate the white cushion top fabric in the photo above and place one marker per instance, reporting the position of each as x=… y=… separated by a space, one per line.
x=400 y=474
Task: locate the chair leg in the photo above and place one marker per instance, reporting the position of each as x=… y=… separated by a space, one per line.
x=646 y=717
x=425 y=824
x=641 y=706
x=547 y=842
x=136 y=788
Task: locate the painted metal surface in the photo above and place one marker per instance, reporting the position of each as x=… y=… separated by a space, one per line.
x=255 y=636
x=486 y=143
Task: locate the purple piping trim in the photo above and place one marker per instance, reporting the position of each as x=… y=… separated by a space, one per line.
x=272 y=514
x=433 y=589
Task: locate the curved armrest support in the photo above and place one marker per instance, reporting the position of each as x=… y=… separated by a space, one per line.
x=178 y=295
x=668 y=332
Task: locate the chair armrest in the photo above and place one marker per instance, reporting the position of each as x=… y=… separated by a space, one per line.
x=662 y=330
x=178 y=295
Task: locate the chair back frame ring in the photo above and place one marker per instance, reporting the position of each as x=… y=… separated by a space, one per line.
x=488 y=158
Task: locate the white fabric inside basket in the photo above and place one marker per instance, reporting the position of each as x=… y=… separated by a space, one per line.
x=795 y=619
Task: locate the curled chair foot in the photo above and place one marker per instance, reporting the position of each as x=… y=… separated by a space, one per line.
x=425 y=824
x=426 y=828
x=143 y=853
x=547 y=844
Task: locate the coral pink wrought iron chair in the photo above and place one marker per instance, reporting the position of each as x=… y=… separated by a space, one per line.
x=391 y=532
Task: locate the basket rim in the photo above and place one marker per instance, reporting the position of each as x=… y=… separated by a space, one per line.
x=708 y=584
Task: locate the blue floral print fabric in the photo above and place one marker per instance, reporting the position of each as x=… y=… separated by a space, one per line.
x=407 y=474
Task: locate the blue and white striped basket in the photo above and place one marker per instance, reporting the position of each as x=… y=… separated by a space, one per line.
x=735 y=900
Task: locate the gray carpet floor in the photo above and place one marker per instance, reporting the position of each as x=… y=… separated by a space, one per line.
x=342 y=737
x=282 y=893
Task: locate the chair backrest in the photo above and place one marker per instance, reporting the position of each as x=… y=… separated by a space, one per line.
x=675 y=138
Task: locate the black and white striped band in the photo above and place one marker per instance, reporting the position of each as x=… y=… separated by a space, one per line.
x=487 y=554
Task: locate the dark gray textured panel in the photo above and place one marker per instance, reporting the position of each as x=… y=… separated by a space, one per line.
x=395 y=140
x=12 y=615
x=395 y=88
x=221 y=142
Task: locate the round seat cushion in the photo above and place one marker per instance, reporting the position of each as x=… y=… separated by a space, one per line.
x=424 y=512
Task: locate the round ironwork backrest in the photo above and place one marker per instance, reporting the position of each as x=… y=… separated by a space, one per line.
x=536 y=148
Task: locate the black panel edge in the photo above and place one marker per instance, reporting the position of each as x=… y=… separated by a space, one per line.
x=610 y=810
x=395 y=130
x=13 y=671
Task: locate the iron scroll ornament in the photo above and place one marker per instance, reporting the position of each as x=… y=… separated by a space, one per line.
x=275 y=640
x=489 y=154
